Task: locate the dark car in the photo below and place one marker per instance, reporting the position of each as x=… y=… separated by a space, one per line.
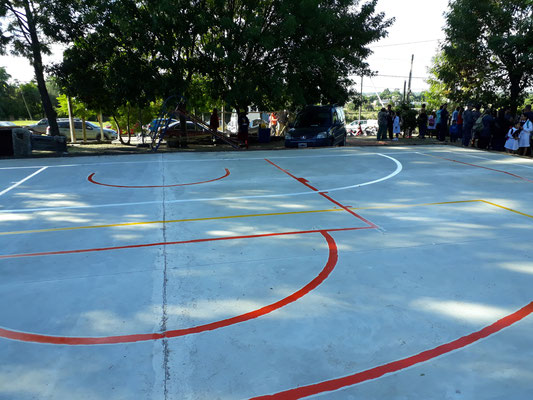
x=317 y=126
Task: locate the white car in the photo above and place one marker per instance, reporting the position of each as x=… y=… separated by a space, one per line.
x=92 y=130
x=39 y=127
x=368 y=126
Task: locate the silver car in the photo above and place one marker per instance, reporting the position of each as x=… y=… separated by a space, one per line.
x=92 y=130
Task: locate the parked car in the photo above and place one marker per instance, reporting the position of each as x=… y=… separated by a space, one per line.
x=369 y=127
x=92 y=130
x=317 y=126
x=41 y=126
x=151 y=126
x=253 y=128
x=8 y=124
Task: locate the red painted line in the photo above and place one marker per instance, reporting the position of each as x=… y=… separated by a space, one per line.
x=480 y=166
x=136 y=246
x=91 y=179
x=68 y=340
x=323 y=194
x=395 y=366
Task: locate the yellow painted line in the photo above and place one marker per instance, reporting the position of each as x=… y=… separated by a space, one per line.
x=508 y=209
x=259 y=215
x=415 y=205
x=167 y=222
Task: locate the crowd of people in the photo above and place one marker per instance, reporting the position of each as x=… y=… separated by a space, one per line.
x=473 y=126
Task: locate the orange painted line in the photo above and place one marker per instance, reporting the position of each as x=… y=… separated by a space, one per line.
x=91 y=179
x=137 y=246
x=72 y=341
x=323 y=194
x=480 y=166
x=395 y=366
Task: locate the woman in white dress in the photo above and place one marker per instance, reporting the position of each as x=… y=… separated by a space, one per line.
x=511 y=145
x=524 y=143
x=396 y=126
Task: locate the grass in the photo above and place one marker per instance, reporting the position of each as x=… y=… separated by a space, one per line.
x=24 y=122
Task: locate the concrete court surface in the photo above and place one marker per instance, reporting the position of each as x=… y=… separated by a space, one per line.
x=346 y=273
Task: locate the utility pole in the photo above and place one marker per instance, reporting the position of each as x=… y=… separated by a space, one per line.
x=26 y=104
x=361 y=105
x=404 y=93
x=410 y=76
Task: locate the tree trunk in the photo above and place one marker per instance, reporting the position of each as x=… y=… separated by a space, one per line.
x=84 y=128
x=515 y=93
x=71 y=120
x=39 y=71
x=101 y=122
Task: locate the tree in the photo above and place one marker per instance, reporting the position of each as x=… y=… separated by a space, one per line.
x=22 y=34
x=263 y=53
x=488 y=49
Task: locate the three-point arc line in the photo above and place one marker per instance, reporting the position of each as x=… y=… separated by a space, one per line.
x=303 y=391
x=90 y=178
x=64 y=340
x=395 y=366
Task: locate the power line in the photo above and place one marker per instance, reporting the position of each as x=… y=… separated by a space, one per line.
x=406 y=43
x=406 y=77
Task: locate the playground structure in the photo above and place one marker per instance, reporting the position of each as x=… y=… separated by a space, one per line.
x=173 y=109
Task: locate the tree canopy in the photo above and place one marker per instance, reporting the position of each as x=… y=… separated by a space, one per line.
x=22 y=35
x=487 y=52
x=262 y=53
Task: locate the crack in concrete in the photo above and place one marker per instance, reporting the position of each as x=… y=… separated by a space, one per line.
x=164 y=316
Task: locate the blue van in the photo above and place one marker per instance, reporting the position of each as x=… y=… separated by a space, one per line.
x=317 y=126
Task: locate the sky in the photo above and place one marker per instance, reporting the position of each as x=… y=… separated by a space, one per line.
x=418 y=23
x=418 y=28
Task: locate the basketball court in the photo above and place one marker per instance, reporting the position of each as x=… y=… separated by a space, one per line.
x=339 y=273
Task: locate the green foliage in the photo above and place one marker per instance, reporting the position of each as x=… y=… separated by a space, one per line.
x=408 y=117
x=17 y=99
x=487 y=53
x=263 y=53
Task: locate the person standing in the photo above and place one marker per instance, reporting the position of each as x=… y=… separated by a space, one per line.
x=274 y=124
x=432 y=124
x=438 y=119
x=443 y=127
x=422 y=121
x=528 y=112
x=486 y=133
x=283 y=120
x=390 y=119
x=468 y=123
x=243 y=123
x=396 y=126
x=460 y=122
x=511 y=144
x=382 y=124
x=499 y=134
x=477 y=116
x=214 y=123
x=524 y=139
x=509 y=116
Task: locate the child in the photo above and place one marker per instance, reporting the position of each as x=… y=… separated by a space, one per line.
x=511 y=145
x=431 y=123
x=454 y=132
x=396 y=128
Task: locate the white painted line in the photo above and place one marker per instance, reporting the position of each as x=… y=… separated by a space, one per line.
x=183 y=160
x=22 y=181
x=399 y=168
